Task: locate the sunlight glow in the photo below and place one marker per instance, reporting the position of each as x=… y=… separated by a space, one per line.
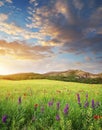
x=3 y=70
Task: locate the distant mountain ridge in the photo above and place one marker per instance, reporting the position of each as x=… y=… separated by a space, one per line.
x=78 y=73
x=70 y=76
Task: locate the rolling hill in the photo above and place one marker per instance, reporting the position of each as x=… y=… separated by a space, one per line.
x=69 y=76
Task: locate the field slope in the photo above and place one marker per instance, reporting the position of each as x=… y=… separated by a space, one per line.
x=50 y=105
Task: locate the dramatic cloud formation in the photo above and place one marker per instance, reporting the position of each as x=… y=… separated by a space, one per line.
x=21 y=50
x=59 y=34
x=14 y=30
x=68 y=23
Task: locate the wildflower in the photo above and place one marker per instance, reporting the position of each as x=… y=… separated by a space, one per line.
x=66 y=109
x=78 y=98
x=58 y=105
x=86 y=104
x=50 y=103
x=25 y=94
x=93 y=104
x=97 y=117
x=35 y=106
x=19 y=100
x=57 y=117
x=4 y=118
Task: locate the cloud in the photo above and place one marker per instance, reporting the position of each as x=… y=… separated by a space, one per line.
x=15 y=31
x=1 y=3
x=92 y=67
x=87 y=58
x=31 y=1
x=68 y=35
x=3 y=17
x=88 y=45
x=9 y=1
x=20 y=50
x=99 y=57
x=73 y=25
x=2 y=52
x=78 y=4
x=96 y=17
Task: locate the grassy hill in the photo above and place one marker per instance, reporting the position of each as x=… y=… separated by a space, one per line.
x=22 y=76
x=75 y=76
x=34 y=105
x=69 y=76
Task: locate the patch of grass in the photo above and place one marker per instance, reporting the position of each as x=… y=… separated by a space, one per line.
x=33 y=105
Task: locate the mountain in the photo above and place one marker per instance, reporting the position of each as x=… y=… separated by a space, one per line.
x=75 y=73
x=69 y=76
x=75 y=76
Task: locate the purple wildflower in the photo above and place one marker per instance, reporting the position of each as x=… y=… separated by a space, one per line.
x=57 y=117
x=78 y=98
x=93 y=104
x=66 y=109
x=58 y=105
x=19 y=100
x=86 y=104
x=4 y=118
x=50 y=103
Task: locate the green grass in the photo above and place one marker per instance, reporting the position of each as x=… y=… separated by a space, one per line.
x=28 y=116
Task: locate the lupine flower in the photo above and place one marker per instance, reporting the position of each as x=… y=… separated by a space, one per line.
x=93 y=104
x=19 y=100
x=78 y=98
x=86 y=104
x=66 y=109
x=57 y=117
x=4 y=118
x=50 y=103
x=58 y=105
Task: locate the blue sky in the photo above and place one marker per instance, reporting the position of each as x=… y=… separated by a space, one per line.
x=50 y=35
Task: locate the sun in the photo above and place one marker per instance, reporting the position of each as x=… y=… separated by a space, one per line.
x=3 y=70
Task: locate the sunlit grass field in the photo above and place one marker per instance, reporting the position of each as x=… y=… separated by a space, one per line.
x=50 y=105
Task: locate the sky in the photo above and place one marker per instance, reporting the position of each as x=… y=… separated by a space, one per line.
x=50 y=35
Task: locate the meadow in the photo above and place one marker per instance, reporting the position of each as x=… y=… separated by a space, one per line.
x=50 y=105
